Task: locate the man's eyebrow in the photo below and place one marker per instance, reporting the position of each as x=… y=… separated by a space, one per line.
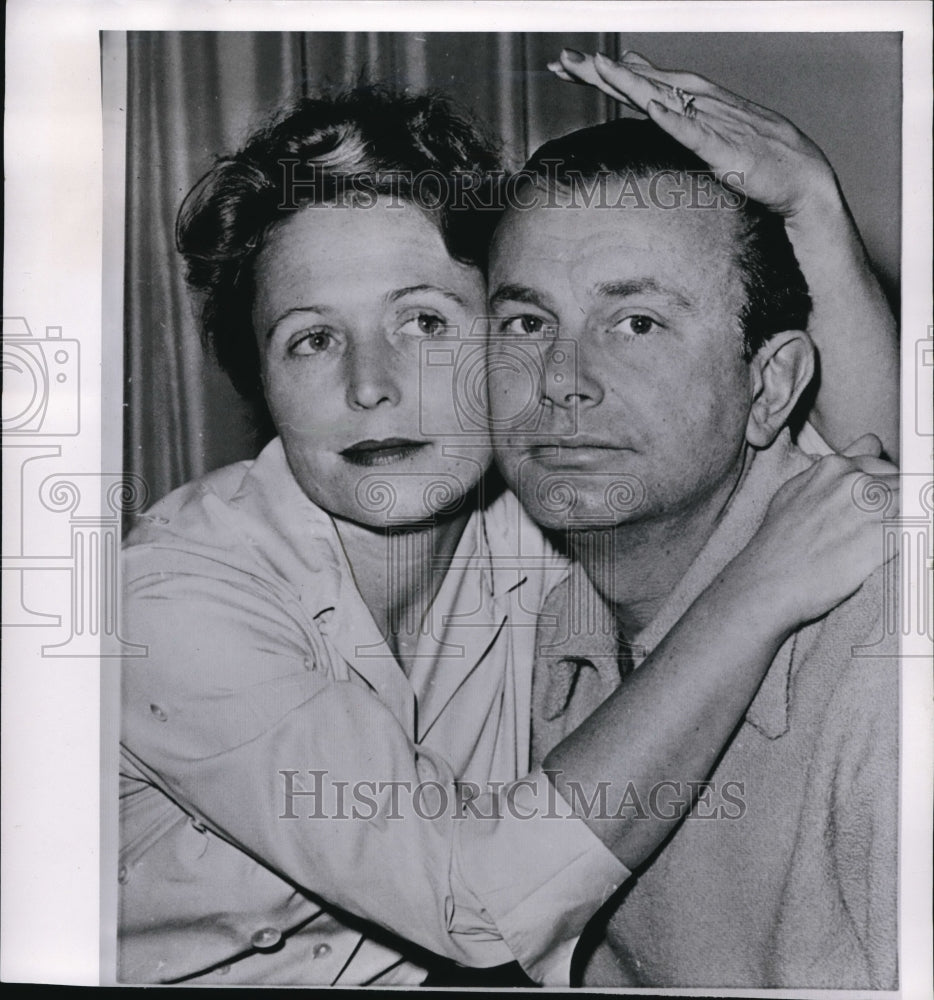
x=518 y=293
x=400 y=293
x=639 y=286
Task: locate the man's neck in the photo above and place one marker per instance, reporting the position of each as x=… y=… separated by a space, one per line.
x=635 y=567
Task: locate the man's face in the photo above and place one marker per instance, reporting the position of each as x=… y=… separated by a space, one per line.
x=654 y=423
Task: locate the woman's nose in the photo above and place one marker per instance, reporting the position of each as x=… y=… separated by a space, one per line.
x=371 y=378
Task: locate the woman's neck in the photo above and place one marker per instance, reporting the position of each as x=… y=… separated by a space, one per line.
x=398 y=572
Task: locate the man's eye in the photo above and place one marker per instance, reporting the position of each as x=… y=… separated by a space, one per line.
x=424 y=324
x=635 y=325
x=312 y=342
x=523 y=326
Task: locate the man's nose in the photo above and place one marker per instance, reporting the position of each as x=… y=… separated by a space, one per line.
x=371 y=377
x=566 y=381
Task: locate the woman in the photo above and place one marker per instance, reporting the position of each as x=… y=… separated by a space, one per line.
x=325 y=748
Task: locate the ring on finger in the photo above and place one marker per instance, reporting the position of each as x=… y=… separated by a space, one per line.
x=688 y=106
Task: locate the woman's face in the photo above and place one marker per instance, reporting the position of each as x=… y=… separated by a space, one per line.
x=349 y=307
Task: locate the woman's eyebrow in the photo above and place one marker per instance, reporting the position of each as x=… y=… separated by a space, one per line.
x=319 y=310
x=518 y=293
x=448 y=293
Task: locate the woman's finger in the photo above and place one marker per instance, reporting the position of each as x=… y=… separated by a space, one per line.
x=873 y=466
x=635 y=58
x=716 y=100
x=578 y=65
x=638 y=88
x=693 y=133
x=692 y=82
x=578 y=68
x=562 y=74
x=868 y=444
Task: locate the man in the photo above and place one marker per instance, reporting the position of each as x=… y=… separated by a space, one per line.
x=685 y=308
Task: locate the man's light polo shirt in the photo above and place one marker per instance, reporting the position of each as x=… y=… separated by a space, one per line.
x=784 y=873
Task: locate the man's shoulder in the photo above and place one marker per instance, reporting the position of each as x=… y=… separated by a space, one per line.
x=862 y=628
x=852 y=655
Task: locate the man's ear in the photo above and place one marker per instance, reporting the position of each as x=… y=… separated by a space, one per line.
x=780 y=372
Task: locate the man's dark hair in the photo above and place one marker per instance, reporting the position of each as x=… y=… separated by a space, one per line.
x=365 y=142
x=776 y=293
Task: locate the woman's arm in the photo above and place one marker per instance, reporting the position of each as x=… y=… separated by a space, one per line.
x=246 y=723
x=851 y=323
x=679 y=708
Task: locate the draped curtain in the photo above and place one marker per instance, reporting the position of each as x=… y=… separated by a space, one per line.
x=193 y=95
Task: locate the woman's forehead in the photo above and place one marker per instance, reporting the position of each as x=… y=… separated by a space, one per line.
x=370 y=247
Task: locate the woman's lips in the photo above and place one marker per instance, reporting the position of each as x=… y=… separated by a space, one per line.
x=369 y=453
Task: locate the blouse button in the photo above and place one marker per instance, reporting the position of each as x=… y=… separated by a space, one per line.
x=268 y=937
x=122 y=874
x=158 y=712
x=321 y=951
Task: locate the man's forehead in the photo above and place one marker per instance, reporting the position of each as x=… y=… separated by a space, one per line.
x=595 y=243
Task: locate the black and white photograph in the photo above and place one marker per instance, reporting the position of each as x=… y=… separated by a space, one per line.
x=506 y=560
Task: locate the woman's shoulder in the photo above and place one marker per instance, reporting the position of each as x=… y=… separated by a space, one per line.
x=250 y=517
x=222 y=483
x=193 y=510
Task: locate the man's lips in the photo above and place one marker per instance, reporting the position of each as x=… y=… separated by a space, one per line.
x=371 y=452
x=574 y=451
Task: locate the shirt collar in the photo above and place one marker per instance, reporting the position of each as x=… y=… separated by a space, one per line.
x=301 y=541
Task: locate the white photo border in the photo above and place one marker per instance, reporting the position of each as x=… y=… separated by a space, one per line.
x=64 y=217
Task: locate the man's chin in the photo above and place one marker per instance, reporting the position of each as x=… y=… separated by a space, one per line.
x=570 y=498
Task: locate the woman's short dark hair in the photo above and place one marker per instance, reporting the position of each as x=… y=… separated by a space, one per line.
x=360 y=143
x=777 y=296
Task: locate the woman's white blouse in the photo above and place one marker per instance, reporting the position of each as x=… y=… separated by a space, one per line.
x=282 y=778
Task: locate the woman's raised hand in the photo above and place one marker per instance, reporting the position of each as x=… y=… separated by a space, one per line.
x=779 y=166
x=823 y=535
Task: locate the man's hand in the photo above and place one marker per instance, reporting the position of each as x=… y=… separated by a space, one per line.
x=780 y=167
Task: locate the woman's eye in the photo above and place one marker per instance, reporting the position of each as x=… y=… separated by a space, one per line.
x=523 y=326
x=312 y=342
x=636 y=325
x=424 y=325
